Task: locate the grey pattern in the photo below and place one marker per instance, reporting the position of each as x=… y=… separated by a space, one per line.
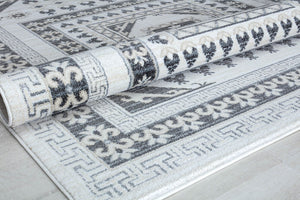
x=100 y=136
x=66 y=82
x=138 y=143
x=5 y=4
x=140 y=62
x=10 y=61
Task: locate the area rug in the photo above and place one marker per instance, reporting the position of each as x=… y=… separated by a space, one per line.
x=176 y=94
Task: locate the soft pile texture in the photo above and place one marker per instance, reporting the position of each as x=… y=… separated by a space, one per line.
x=138 y=99
x=67 y=82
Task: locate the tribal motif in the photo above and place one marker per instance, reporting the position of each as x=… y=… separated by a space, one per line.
x=242 y=40
x=115 y=147
x=257 y=35
x=226 y=46
x=172 y=62
x=209 y=51
x=286 y=27
x=191 y=56
x=157 y=39
x=140 y=62
x=10 y=61
x=272 y=30
x=66 y=82
x=63 y=41
x=252 y=35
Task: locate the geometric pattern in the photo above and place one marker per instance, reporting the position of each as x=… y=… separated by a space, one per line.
x=6 y=4
x=155 y=135
x=98 y=180
x=146 y=142
x=139 y=61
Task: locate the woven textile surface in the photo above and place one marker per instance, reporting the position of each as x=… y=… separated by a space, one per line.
x=138 y=99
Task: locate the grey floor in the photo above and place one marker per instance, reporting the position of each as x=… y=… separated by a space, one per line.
x=271 y=173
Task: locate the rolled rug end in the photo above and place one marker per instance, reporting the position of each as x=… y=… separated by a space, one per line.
x=23 y=97
x=12 y=105
x=5 y=112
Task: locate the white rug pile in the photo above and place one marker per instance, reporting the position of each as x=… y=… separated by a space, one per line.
x=139 y=99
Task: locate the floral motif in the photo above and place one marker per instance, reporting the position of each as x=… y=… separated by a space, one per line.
x=146 y=98
x=287 y=26
x=18 y=15
x=204 y=69
x=270 y=48
x=272 y=30
x=188 y=121
x=190 y=54
x=171 y=58
x=70 y=46
x=209 y=51
x=157 y=39
x=145 y=80
x=237 y=4
x=258 y=35
x=217 y=109
x=243 y=40
x=156 y=135
x=9 y=60
x=171 y=62
x=135 y=52
x=176 y=78
x=67 y=84
x=101 y=140
x=52 y=35
x=226 y=61
x=42 y=26
x=115 y=147
x=287 y=42
x=226 y=45
x=267 y=88
x=79 y=115
x=247 y=54
x=140 y=61
x=244 y=98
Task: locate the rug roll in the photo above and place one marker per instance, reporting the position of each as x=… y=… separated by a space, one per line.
x=85 y=77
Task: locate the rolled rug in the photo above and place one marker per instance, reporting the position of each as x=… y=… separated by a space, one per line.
x=62 y=84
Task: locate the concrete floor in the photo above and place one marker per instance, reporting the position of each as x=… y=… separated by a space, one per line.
x=271 y=173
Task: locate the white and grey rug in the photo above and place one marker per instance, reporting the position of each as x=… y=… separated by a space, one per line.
x=209 y=101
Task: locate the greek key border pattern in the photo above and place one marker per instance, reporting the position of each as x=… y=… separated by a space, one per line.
x=115 y=147
x=185 y=32
x=65 y=43
x=16 y=45
x=107 y=184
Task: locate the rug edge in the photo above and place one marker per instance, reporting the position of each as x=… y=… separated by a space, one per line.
x=39 y=163
x=242 y=153
x=176 y=187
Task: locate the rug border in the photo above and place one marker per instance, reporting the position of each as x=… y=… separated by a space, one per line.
x=192 y=178
x=39 y=163
x=242 y=154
